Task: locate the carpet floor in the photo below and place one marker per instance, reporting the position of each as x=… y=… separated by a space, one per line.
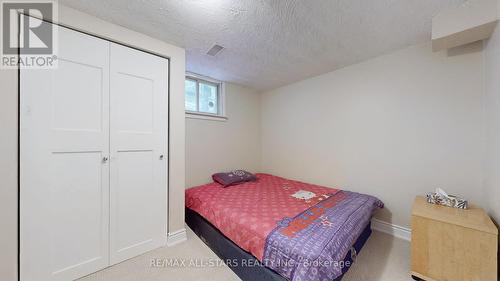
x=383 y=258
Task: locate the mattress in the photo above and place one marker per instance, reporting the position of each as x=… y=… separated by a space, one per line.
x=300 y=230
x=237 y=259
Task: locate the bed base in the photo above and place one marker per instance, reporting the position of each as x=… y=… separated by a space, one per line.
x=227 y=250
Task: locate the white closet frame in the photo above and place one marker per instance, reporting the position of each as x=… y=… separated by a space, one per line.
x=27 y=235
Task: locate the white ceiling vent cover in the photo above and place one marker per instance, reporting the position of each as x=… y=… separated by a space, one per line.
x=215 y=50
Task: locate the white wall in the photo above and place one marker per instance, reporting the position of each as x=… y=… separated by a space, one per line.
x=8 y=175
x=214 y=146
x=8 y=139
x=396 y=126
x=492 y=89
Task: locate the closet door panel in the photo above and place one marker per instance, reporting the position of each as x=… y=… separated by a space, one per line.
x=134 y=209
x=139 y=106
x=64 y=180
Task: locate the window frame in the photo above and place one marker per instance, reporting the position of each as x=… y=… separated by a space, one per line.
x=221 y=101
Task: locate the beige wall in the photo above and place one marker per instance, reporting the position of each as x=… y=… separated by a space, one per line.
x=492 y=82
x=395 y=126
x=214 y=146
x=8 y=142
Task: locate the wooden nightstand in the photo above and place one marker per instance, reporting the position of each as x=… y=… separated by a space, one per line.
x=452 y=244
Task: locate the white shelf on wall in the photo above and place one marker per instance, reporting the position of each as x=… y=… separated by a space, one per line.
x=470 y=22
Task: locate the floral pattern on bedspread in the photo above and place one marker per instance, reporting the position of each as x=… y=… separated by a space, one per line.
x=248 y=212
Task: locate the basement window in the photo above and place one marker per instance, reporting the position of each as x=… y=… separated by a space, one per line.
x=204 y=97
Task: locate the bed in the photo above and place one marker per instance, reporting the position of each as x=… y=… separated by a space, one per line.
x=279 y=229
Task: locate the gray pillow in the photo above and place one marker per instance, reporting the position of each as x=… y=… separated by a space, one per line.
x=233 y=178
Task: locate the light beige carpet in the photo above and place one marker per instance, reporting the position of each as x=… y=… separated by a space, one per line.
x=383 y=258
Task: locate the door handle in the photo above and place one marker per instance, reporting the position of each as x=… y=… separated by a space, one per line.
x=161 y=157
x=105 y=159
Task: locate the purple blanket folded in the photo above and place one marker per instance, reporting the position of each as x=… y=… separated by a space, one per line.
x=313 y=245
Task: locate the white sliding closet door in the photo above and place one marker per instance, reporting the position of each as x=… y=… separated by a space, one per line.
x=64 y=178
x=139 y=87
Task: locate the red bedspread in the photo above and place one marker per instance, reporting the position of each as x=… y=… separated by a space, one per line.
x=248 y=212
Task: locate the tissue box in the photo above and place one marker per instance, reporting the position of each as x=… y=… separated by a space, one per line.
x=449 y=200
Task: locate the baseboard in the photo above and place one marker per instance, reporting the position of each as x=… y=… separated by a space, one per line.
x=176 y=237
x=392 y=229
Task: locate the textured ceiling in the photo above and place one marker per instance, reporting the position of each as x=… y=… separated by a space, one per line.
x=270 y=43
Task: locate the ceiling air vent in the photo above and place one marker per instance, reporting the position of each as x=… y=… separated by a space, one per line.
x=215 y=50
